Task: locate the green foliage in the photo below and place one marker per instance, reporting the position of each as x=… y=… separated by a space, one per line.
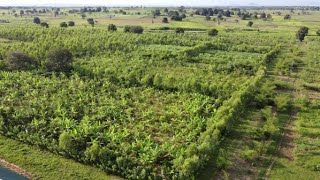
x=66 y=142
x=287 y=17
x=303 y=31
x=270 y=127
x=165 y=20
x=44 y=24
x=36 y=20
x=250 y=24
x=179 y=30
x=112 y=27
x=90 y=21
x=92 y=152
x=213 y=32
x=249 y=154
x=134 y=29
x=282 y=102
x=129 y=95
x=71 y=23
x=222 y=161
x=59 y=59
x=63 y=25
x=19 y=61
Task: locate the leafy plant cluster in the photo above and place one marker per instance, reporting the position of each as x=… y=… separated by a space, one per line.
x=154 y=105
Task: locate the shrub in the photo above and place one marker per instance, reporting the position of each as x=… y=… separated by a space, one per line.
x=91 y=21
x=71 y=23
x=59 y=59
x=66 y=142
x=134 y=29
x=248 y=154
x=36 y=20
x=282 y=102
x=213 y=32
x=44 y=24
x=165 y=20
x=303 y=31
x=126 y=29
x=19 y=61
x=63 y=25
x=92 y=152
x=287 y=17
x=250 y=23
x=180 y=30
x=176 y=18
x=112 y=27
x=318 y=32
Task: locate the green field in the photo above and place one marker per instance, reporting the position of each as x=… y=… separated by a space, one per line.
x=160 y=104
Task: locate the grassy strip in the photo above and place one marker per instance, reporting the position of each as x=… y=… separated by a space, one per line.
x=45 y=165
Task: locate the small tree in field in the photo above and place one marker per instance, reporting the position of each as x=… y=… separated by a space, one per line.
x=303 y=31
x=112 y=27
x=36 y=20
x=208 y=18
x=165 y=20
x=91 y=22
x=44 y=24
x=136 y=29
x=63 y=25
x=250 y=23
x=179 y=30
x=71 y=23
x=83 y=16
x=59 y=59
x=126 y=29
x=19 y=61
x=213 y=32
x=318 y=32
x=287 y=17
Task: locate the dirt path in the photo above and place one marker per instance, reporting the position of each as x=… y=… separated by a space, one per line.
x=286 y=144
x=15 y=168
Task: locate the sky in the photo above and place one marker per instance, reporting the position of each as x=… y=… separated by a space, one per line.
x=161 y=2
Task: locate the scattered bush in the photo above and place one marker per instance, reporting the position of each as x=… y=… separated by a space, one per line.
x=302 y=32
x=248 y=154
x=92 y=152
x=71 y=23
x=59 y=59
x=250 y=24
x=213 y=32
x=90 y=21
x=66 y=142
x=19 y=61
x=179 y=30
x=165 y=20
x=44 y=24
x=112 y=27
x=63 y=25
x=36 y=20
x=134 y=29
x=282 y=102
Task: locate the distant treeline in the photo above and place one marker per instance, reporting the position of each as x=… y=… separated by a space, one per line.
x=317 y=8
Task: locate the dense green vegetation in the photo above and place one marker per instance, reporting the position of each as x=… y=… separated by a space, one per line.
x=137 y=104
x=45 y=165
x=142 y=102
